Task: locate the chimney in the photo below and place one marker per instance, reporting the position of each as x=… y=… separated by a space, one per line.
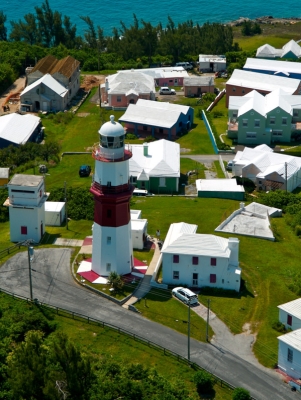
x=233 y=245
x=145 y=149
x=107 y=84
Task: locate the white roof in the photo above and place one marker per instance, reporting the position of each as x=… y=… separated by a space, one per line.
x=138 y=224
x=4 y=173
x=218 y=185
x=124 y=81
x=268 y=162
x=257 y=208
x=176 y=230
x=154 y=113
x=292 y=307
x=211 y=58
x=275 y=66
x=198 y=81
x=267 y=50
x=264 y=104
x=54 y=206
x=256 y=80
x=164 y=72
x=293 y=47
x=292 y=339
x=50 y=82
x=163 y=159
x=18 y=128
x=136 y=214
x=198 y=244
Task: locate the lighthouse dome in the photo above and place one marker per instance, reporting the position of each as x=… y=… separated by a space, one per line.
x=111 y=134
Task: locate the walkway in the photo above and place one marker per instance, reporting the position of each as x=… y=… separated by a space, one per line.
x=144 y=286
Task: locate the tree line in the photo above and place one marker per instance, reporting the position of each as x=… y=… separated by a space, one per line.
x=141 y=43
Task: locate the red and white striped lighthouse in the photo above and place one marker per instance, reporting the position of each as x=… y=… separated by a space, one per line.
x=112 y=243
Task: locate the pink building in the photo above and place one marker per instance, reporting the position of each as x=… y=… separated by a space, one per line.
x=126 y=87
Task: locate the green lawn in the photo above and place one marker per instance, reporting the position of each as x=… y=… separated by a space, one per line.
x=159 y=305
x=219 y=171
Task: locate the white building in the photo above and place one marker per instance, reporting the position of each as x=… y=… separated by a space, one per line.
x=198 y=260
x=112 y=242
x=290 y=314
x=139 y=230
x=155 y=166
x=55 y=213
x=17 y=129
x=289 y=50
x=212 y=63
x=26 y=204
x=268 y=170
x=289 y=353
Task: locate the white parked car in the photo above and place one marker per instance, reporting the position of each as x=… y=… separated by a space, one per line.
x=166 y=90
x=185 y=295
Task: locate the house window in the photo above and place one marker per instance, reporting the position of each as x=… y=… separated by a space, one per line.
x=162 y=182
x=257 y=123
x=176 y=259
x=118 y=99
x=170 y=80
x=272 y=120
x=23 y=230
x=212 y=278
x=284 y=121
x=233 y=89
x=38 y=91
x=277 y=133
x=109 y=239
x=180 y=123
x=289 y=320
x=109 y=213
x=244 y=122
x=195 y=260
x=213 y=262
x=290 y=355
x=295 y=113
x=108 y=267
x=223 y=280
x=243 y=91
x=176 y=274
x=251 y=135
x=144 y=127
x=234 y=114
x=160 y=130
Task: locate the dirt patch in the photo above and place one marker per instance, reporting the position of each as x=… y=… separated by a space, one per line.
x=82 y=114
x=183 y=150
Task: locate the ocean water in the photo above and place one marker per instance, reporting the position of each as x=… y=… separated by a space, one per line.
x=108 y=14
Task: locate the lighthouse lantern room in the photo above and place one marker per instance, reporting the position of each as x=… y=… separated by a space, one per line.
x=112 y=242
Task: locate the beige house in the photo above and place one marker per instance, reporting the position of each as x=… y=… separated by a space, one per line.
x=195 y=86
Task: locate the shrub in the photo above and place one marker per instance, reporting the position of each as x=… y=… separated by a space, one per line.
x=130 y=136
x=298 y=230
x=217 y=114
x=241 y=394
x=203 y=382
x=150 y=139
x=279 y=327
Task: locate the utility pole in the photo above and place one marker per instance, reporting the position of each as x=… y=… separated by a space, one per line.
x=285 y=166
x=30 y=255
x=188 y=330
x=207 y=325
x=65 y=186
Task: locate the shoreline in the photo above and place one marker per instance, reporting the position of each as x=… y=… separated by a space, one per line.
x=268 y=20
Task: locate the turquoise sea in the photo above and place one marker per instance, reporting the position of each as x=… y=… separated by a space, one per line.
x=109 y=13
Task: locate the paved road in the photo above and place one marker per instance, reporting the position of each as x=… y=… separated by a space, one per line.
x=53 y=284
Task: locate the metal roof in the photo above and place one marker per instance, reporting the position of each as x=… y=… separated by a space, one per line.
x=256 y=80
x=124 y=81
x=218 y=185
x=163 y=159
x=159 y=114
x=198 y=81
x=50 y=82
x=54 y=206
x=275 y=66
x=17 y=128
x=292 y=339
x=292 y=307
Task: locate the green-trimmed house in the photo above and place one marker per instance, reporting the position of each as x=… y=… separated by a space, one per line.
x=155 y=166
x=256 y=119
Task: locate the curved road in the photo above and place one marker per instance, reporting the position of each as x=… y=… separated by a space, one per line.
x=53 y=284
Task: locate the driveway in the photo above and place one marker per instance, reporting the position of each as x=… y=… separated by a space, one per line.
x=53 y=284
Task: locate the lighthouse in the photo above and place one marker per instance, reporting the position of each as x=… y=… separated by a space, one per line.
x=112 y=243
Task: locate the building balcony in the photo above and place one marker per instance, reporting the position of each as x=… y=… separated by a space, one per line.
x=97 y=188
x=109 y=155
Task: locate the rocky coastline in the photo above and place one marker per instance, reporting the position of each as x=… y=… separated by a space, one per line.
x=265 y=20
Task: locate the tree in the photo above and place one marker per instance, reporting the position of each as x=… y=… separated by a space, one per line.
x=241 y=394
x=203 y=382
x=3 y=30
x=115 y=280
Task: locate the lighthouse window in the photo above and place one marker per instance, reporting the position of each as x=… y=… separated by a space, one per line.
x=108 y=267
x=109 y=239
x=108 y=184
x=109 y=213
x=110 y=142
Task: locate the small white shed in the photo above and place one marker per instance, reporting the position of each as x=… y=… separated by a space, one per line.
x=55 y=213
x=290 y=314
x=289 y=354
x=138 y=229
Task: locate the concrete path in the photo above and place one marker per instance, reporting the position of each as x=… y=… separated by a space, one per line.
x=68 y=242
x=240 y=345
x=144 y=286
